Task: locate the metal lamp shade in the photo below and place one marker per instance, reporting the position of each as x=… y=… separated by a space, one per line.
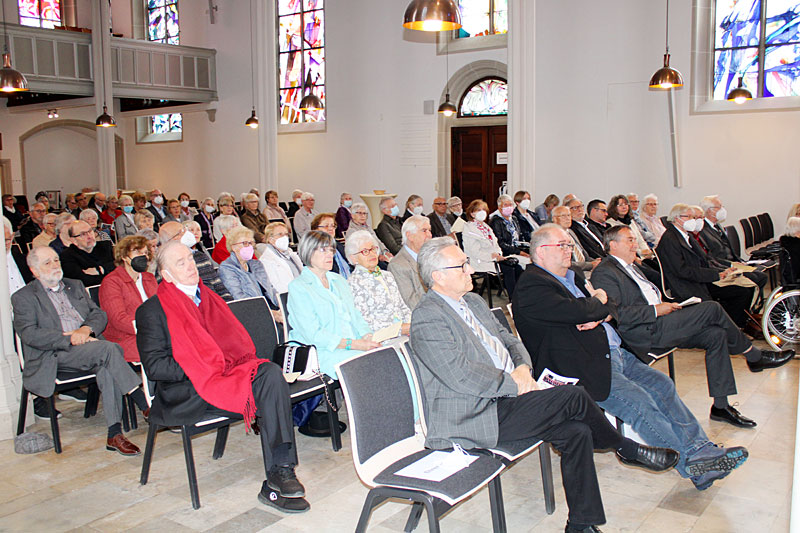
x=11 y=81
x=432 y=15
x=740 y=95
x=311 y=102
x=666 y=77
x=252 y=122
x=105 y=120
x=447 y=108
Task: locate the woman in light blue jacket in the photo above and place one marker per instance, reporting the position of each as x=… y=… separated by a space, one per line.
x=321 y=306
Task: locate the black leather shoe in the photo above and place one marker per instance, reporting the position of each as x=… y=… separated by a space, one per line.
x=731 y=416
x=771 y=359
x=283 y=480
x=652 y=458
x=587 y=529
x=271 y=497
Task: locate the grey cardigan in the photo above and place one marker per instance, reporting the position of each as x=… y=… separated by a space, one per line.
x=246 y=284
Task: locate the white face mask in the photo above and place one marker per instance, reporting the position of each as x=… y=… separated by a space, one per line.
x=282 y=243
x=187 y=239
x=480 y=216
x=693 y=225
x=457 y=213
x=525 y=204
x=209 y=209
x=158 y=200
x=299 y=201
x=722 y=214
x=185 y=204
x=188 y=290
x=417 y=210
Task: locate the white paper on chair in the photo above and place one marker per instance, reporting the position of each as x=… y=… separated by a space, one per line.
x=548 y=379
x=437 y=465
x=690 y=301
x=291 y=377
x=389 y=332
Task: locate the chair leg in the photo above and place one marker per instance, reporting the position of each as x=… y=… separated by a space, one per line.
x=547 y=478
x=51 y=406
x=23 y=411
x=92 y=398
x=414 y=516
x=333 y=419
x=487 y=280
x=126 y=425
x=132 y=413
x=190 y=471
x=497 y=506
x=366 y=510
x=671 y=364
x=219 y=443
x=148 y=453
x=433 y=518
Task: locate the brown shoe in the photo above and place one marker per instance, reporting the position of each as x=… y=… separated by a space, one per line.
x=118 y=443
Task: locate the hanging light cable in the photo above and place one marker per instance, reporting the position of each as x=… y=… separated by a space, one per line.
x=11 y=81
x=432 y=15
x=104 y=120
x=666 y=77
x=740 y=95
x=447 y=108
x=252 y=121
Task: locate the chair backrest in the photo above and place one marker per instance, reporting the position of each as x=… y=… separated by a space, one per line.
x=501 y=317
x=664 y=288
x=747 y=230
x=18 y=341
x=664 y=220
x=380 y=407
x=148 y=393
x=256 y=318
x=283 y=305
x=733 y=238
x=767 y=228
x=94 y=293
x=758 y=235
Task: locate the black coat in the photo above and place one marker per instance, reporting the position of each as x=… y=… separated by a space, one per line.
x=716 y=242
x=525 y=228
x=546 y=314
x=27 y=232
x=792 y=246
x=504 y=237
x=589 y=244
x=15 y=218
x=22 y=263
x=207 y=227
x=437 y=229
x=157 y=216
x=687 y=269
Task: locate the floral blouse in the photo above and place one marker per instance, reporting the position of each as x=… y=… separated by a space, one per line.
x=377 y=297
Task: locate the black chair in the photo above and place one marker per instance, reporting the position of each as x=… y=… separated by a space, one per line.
x=284 y=206
x=486 y=284
x=664 y=221
x=747 y=230
x=502 y=318
x=94 y=293
x=733 y=237
x=767 y=228
x=381 y=412
x=758 y=234
x=64 y=381
x=254 y=315
x=219 y=423
x=283 y=305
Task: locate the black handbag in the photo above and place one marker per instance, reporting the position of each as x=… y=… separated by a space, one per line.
x=295 y=356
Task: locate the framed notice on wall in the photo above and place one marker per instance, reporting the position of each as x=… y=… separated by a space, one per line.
x=502 y=158
x=54 y=197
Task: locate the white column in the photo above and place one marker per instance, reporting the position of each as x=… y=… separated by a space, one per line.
x=266 y=94
x=521 y=95
x=10 y=377
x=101 y=63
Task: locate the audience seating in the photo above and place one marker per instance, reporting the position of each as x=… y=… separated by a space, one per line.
x=381 y=413
x=64 y=381
x=283 y=305
x=210 y=423
x=254 y=315
x=767 y=228
x=733 y=237
x=501 y=317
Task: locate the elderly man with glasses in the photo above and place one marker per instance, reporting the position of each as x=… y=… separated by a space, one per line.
x=87 y=259
x=33 y=226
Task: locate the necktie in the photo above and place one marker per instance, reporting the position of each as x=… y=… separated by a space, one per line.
x=638 y=274
x=501 y=357
x=197 y=297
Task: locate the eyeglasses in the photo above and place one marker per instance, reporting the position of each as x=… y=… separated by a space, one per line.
x=462 y=266
x=327 y=250
x=565 y=246
x=367 y=251
x=82 y=234
x=246 y=243
x=326 y=226
x=576 y=207
x=439 y=203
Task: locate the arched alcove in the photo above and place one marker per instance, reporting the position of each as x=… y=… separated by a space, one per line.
x=62 y=155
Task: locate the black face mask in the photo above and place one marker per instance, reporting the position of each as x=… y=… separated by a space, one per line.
x=139 y=263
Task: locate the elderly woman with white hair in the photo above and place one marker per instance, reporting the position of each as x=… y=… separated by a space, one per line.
x=506 y=228
x=375 y=292
x=226 y=208
x=49 y=234
x=358 y=222
x=90 y=217
x=281 y=263
x=252 y=218
x=223 y=223
x=790 y=241
x=205 y=218
x=63 y=240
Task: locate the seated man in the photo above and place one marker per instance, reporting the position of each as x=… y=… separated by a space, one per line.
x=649 y=325
x=60 y=329
x=479 y=391
x=86 y=259
x=440 y=222
x=204 y=363
x=389 y=228
x=591 y=244
x=566 y=326
x=403 y=266
x=689 y=271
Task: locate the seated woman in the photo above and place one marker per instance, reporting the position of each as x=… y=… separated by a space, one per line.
x=375 y=292
x=124 y=224
x=482 y=248
x=327 y=222
x=144 y=219
x=790 y=241
x=506 y=228
x=174 y=213
x=360 y=212
x=280 y=262
x=123 y=290
x=223 y=223
x=619 y=214
x=90 y=217
x=152 y=248
x=226 y=207
x=187 y=213
x=321 y=306
x=273 y=212
x=206 y=267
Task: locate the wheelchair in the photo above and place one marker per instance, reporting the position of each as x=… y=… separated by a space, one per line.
x=780 y=321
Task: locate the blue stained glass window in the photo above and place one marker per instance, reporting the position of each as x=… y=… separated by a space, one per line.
x=482 y=17
x=162 y=21
x=485 y=98
x=758 y=40
x=167 y=123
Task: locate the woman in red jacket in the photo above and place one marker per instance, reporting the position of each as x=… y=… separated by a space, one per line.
x=123 y=291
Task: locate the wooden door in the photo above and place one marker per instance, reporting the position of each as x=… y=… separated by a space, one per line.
x=476 y=172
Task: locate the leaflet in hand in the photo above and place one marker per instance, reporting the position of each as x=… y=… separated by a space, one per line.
x=690 y=301
x=389 y=332
x=549 y=379
x=457 y=226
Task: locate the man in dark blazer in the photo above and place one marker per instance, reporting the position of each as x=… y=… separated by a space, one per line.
x=591 y=244
x=478 y=389
x=596 y=216
x=157 y=207
x=33 y=226
x=177 y=402
x=565 y=322
x=440 y=219
x=389 y=228
x=86 y=259
x=60 y=328
x=688 y=271
x=649 y=325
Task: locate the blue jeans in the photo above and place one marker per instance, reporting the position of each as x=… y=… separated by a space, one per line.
x=646 y=400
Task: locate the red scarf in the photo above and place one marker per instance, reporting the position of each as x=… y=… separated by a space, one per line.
x=222 y=365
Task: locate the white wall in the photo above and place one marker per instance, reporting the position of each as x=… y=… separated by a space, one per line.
x=62 y=159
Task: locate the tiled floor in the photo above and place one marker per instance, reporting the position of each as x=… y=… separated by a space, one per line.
x=87 y=488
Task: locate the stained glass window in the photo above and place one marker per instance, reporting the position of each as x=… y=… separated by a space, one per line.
x=162 y=21
x=485 y=98
x=301 y=58
x=40 y=13
x=168 y=123
x=758 y=40
x=483 y=17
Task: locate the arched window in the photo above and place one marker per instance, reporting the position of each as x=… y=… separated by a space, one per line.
x=487 y=97
x=40 y=13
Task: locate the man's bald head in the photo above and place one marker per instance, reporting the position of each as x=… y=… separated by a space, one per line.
x=176 y=264
x=169 y=231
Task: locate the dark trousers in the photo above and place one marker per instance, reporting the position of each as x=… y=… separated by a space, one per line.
x=511 y=274
x=274 y=416
x=569 y=419
x=734 y=299
x=706 y=326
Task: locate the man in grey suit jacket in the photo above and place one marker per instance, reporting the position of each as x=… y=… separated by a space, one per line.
x=60 y=329
x=478 y=389
x=403 y=266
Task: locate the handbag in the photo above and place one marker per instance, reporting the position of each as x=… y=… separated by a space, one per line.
x=295 y=356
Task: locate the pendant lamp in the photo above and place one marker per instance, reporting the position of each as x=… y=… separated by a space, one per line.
x=447 y=108
x=311 y=101
x=740 y=95
x=11 y=81
x=432 y=15
x=104 y=120
x=666 y=77
x=252 y=121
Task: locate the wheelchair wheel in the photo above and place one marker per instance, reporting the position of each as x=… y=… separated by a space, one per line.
x=781 y=320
